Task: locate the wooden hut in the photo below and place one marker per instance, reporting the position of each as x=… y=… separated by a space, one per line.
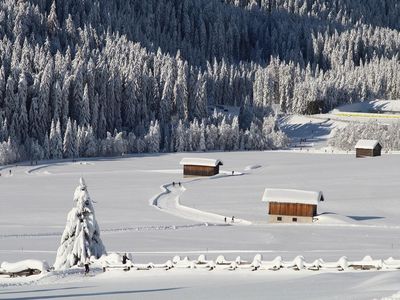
x=368 y=148
x=292 y=206
x=200 y=166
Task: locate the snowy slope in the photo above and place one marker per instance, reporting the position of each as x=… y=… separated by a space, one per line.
x=385 y=106
x=313 y=131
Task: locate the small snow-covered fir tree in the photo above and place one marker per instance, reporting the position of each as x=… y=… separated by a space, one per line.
x=56 y=146
x=81 y=237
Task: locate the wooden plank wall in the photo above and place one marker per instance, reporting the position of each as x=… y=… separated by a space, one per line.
x=364 y=152
x=292 y=209
x=200 y=170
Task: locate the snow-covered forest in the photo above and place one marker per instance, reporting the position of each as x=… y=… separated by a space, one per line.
x=387 y=135
x=87 y=78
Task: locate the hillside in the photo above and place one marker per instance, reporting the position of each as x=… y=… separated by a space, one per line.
x=82 y=78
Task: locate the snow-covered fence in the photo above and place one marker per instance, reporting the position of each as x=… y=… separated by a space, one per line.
x=115 y=261
x=258 y=264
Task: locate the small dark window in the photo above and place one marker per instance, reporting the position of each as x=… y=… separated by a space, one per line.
x=279 y=218
x=294 y=219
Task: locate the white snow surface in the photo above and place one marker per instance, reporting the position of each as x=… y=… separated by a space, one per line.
x=360 y=218
x=252 y=167
x=380 y=105
x=292 y=196
x=192 y=161
x=366 y=144
x=19 y=266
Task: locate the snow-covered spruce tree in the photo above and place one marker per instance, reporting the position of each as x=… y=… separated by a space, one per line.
x=153 y=138
x=81 y=237
x=56 y=145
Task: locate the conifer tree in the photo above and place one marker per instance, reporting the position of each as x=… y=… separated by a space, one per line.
x=81 y=237
x=56 y=144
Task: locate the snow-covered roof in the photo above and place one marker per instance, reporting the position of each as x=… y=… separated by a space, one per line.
x=201 y=162
x=366 y=144
x=292 y=196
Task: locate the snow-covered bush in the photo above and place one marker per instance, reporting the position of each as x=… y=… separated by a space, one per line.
x=81 y=238
x=8 y=152
x=24 y=265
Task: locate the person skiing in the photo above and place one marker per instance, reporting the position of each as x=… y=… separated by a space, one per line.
x=124 y=258
x=225 y=219
x=87 y=262
x=233 y=219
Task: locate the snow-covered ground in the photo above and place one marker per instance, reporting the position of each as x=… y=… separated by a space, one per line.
x=376 y=106
x=358 y=218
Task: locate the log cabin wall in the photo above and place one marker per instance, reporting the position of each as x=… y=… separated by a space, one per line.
x=360 y=152
x=192 y=170
x=292 y=209
x=364 y=152
x=289 y=219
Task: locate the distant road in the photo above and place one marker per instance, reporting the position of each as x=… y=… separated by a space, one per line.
x=367 y=115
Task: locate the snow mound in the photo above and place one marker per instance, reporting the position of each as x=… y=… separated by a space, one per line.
x=333 y=219
x=111 y=259
x=23 y=265
x=252 y=167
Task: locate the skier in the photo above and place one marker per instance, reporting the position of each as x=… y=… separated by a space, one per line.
x=225 y=219
x=10 y=172
x=124 y=259
x=173 y=183
x=179 y=183
x=233 y=172
x=87 y=262
x=233 y=219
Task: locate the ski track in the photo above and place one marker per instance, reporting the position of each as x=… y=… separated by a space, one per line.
x=181 y=227
x=35 y=170
x=169 y=201
x=114 y=230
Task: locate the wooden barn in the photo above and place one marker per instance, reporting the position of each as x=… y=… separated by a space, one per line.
x=292 y=206
x=366 y=148
x=200 y=166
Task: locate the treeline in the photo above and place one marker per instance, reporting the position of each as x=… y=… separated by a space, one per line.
x=215 y=133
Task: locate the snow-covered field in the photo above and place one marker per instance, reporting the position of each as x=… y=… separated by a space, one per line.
x=358 y=218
